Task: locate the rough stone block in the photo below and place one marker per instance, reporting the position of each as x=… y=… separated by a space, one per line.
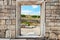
x=50 y=18
x=47 y=20
x=13 y=2
x=2 y=21
x=48 y=7
x=57 y=17
x=48 y=15
x=4 y=17
x=51 y=24
x=13 y=11
x=53 y=7
x=52 y=0
x=1 y=14
x=12 y=34
x=59 y=36
x=12 y=27
x=12 y=16
x=6 y=14
x=48 y=4
x=57 y=24
x=1 y=2
x=10 y=2
x=8 y=22
x=5 y=2
x=2 y=27
x=13 y=7
x=13 y=21
x=2 y=34
x=48 y=11
x=55 y=28
x=18 y=39
x=54 y=4
x=52 y=37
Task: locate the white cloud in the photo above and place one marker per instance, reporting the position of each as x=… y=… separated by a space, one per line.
x=34 y=6
x=26 y=12
x=29 y=12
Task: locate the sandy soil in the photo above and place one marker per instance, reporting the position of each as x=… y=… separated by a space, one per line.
x=27 y=31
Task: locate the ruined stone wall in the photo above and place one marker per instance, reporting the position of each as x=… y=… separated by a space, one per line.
x=8 y=18
x=53 y=19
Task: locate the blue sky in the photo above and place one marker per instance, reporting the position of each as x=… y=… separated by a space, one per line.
x=30 y=9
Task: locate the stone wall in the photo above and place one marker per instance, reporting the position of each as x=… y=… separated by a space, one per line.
x=8 y=18
x=53 y=19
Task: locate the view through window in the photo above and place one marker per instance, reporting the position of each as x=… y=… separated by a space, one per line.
x=30 y=20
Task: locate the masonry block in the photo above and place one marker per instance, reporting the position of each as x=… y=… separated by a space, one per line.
x=1 y=2
x=12 y=27
x=2 y=22
x=8 y=22
x=13 y=21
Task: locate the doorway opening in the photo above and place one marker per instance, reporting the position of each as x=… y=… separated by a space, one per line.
x=30 y=20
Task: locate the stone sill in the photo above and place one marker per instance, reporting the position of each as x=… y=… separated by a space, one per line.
x=28 y=37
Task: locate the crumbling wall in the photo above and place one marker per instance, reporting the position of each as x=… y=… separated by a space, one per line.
x=53 y=19
x=7 y=17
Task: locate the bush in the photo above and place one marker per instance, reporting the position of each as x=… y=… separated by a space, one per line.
x=38 y=16
x=34 y=16
x=23 y=16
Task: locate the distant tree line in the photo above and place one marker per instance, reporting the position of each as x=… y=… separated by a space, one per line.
x=23 y=15
x=33 y=16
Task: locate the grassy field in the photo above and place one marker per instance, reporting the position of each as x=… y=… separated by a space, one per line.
x=30 y=20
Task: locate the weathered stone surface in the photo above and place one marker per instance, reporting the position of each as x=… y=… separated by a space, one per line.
x=13 y=21
x=8 y=17
x=12 y=27
x=48 y=11
x=5 y=2
x=4 y=17
x=13 y=11
x=4 y=39
x=8 y=22
x=48 y=4
x=54 y=4
x=13 y=7
x=12 y=34
x=52 y=37
x=48 y=7
x=48 y=15
x=1 y=2
x=51 y=24
x=2 y=34
x=52 y=0
x=10 y=2
x=58 y=36
x=3 y=26
x=4 y=14
x=12 y=16
x=18 y=39
x=52 y=20
x=1 y=14
x=55 y=29
x=13 y=2
x=53 y=7
x=2 y=22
